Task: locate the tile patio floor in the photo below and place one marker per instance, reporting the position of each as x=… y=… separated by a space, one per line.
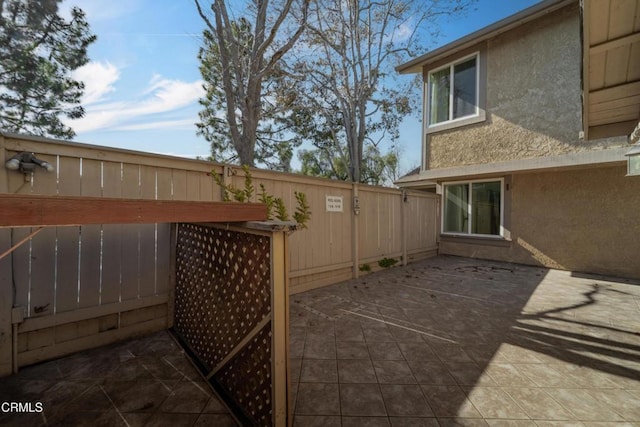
x=455 y=341
x=143 y=382
x=447 y=341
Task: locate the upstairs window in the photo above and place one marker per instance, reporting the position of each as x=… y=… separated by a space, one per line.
x=453 y=91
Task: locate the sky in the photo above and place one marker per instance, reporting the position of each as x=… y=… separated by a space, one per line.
x=142 y=83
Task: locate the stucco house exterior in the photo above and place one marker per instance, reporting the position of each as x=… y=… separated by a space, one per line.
x=525 y=137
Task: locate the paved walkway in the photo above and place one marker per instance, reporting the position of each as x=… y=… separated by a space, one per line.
x=445 y=342
x=455 y=341
x=148 y=381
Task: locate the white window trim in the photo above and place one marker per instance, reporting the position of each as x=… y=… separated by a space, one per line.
x=451 y=65
x=469 y=207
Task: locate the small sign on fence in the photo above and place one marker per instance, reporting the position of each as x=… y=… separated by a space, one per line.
x=334 y=204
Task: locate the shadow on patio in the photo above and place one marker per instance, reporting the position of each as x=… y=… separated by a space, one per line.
x=447 y=341
x=456 y=341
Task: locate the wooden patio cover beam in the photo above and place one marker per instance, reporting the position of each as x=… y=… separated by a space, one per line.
x=19 y=210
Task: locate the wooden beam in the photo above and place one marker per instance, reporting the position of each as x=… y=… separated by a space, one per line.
x=613 y=44
x=18 y=210
x=616 y=92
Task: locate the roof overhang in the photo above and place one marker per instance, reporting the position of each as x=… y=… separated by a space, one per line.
x=611 y=67
x=534 y=12
x=587 y=159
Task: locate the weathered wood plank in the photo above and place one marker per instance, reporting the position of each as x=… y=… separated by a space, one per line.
x=31 y=210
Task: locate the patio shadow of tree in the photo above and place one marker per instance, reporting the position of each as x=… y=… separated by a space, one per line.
x=481 y=339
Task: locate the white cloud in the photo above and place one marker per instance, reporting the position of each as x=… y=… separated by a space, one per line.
x=161 y=96
x=171 y=124
x=98 y=78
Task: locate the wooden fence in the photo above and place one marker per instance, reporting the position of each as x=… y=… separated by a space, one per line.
x=88 y=285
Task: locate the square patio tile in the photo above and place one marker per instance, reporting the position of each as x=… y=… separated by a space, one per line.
x=393 y=372
x=319 y=371
x=583 y=405
x=405 y=400
x=352 y=350
x=361 y=400
x=385 y=351
x=431 y=373
x=318 y=399
x=319 y=349
x=356 y=371
x=538 y=404
x=449 y=401
x=492 y=402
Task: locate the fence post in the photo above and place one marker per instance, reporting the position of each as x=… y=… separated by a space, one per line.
x=403 y=221
x=355 y=232
x=280 y=330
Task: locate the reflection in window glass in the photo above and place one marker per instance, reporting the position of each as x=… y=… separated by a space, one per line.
x=464 y=86
x=456 y=213
x=439 y=90
x=453 y=91
x=485 y=209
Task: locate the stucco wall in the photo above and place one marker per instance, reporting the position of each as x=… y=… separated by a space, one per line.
x=582 y=220
x=533 y=98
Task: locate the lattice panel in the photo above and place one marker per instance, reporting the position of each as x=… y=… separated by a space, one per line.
x=247 y=378
x=223 y=286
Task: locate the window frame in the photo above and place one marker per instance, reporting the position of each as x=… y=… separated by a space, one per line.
x=469 y=183
x=451 y=66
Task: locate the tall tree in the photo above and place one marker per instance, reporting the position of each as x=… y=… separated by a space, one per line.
x=238 y=58
x=376 y=168
x=38 y=52
x=343 y=81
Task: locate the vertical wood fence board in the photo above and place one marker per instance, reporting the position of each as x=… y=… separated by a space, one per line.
x=68 y=238
x=147 y=256
x=43 y=269
x=91 y=179
x=147 y=182
x=90 y=260
x=163 y=244
x=20 y=266
x=111 y=264
x=69 y=180
x=193 y=185
x=111 y=237
x=67 y=268
x=179 y=183
x=164 y=184
x=44 y=182
x=43 y=248
x=130 y=262
x=90 y=238
x=130 y=237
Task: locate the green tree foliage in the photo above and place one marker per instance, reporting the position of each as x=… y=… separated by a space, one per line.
x=376 y=168
x=275 y=205
x=342 y=85
x=38 y=52
x=239 y=64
